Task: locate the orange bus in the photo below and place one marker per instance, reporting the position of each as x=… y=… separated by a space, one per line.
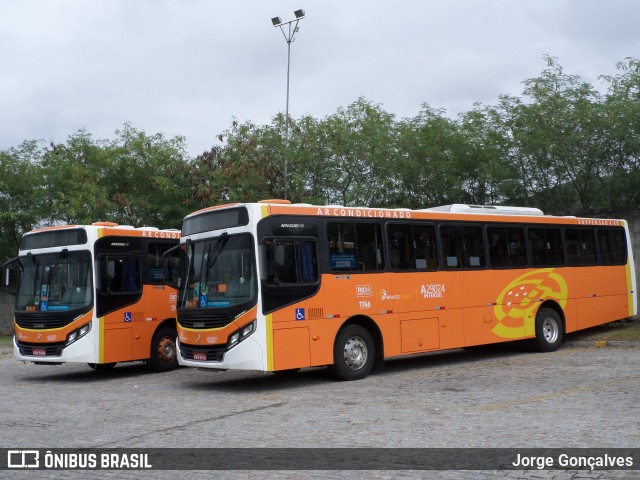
x=94 y=294
x=275 y=286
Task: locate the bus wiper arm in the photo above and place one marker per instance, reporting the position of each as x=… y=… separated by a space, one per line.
x=55 y=265
x=213 y=257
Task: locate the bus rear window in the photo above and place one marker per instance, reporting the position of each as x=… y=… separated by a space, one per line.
x=613 y=246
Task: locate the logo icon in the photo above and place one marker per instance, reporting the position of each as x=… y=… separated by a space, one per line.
x=23 y=459
x=127 y=316
x=364 y=290
x=519 y=299
x=300 y=314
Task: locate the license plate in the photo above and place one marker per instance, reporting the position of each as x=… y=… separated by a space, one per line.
x=200 y=356
x=39 y=352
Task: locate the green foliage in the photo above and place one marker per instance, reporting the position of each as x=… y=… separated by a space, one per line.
x=22 y=191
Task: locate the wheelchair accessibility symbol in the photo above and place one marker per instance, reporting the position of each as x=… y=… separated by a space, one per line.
x=300 y=314
x=127 y=316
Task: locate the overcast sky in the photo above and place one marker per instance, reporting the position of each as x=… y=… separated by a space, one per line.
x=189 y=67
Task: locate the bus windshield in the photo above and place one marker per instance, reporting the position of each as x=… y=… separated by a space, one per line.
x=55 y=282
x=220 y=273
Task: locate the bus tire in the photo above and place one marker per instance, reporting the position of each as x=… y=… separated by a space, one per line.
x=164 y=354
x=102 y=367
x=353 y=353
x=549 y=331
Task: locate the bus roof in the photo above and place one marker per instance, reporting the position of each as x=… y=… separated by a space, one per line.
x=111 y=228
x=455 y=211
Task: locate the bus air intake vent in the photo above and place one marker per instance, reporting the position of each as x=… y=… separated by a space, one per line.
x=196 y=318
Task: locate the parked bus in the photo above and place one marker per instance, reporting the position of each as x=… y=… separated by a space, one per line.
x=94 y=294
x=274 y=286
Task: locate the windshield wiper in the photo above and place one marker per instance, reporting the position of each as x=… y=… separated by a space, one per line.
x=56 y=264
x=213 y=257
x=213 y=252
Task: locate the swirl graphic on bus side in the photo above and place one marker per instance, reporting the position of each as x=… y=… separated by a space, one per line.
x=516 y=303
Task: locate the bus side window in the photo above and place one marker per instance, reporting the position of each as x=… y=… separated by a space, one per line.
x=612 y=245
x=401 y=255
x=160 y=268
x=341 y=245
x=369 y=247
x=424 y=241
x=451 y=238
x=516 y=247
x=498 y=252
x=473 y=246
x=546 y=246
x=573 y=246
x=119 y=275
x=289 y=261
x=506 y=246
x=538 y=246
x=119 y=282
x=354 y=246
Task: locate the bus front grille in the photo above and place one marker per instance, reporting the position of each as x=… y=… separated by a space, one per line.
x=41 y=349
x=208 y=354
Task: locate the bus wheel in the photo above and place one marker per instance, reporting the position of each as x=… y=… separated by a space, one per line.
x=164 y=355
x=549 y=331
x=102 y=367
x=353 y=353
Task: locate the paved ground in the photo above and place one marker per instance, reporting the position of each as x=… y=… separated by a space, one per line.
x=500 y=396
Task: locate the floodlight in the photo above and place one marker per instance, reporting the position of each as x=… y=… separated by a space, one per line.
x=276 y=21
x=299 y=14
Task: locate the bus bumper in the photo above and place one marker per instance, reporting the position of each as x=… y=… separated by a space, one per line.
x=247 y=355
x=82 y=351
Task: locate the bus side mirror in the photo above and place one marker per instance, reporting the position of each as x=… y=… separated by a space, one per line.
x=171 y=267
x=10 y=276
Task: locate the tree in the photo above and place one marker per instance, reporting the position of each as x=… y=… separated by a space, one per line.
x=557 y=139
x=21 y=192
x=621 y=174
x=482 y=158
x=427 y=174
x=152 y=175
x=362 y=151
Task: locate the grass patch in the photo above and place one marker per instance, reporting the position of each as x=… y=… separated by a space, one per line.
x=6 y=339
x=621 y=331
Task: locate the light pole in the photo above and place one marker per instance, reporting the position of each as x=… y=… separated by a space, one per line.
x=289 y=37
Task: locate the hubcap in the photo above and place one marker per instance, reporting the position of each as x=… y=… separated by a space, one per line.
x=355 y=353
x=167 y=350
x=550 y=330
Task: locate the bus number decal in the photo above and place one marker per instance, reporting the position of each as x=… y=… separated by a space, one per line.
x=432 y=290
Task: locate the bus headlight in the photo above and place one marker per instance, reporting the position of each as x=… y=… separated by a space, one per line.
x=78 y=333
x=233 y=339
x=239 y=335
